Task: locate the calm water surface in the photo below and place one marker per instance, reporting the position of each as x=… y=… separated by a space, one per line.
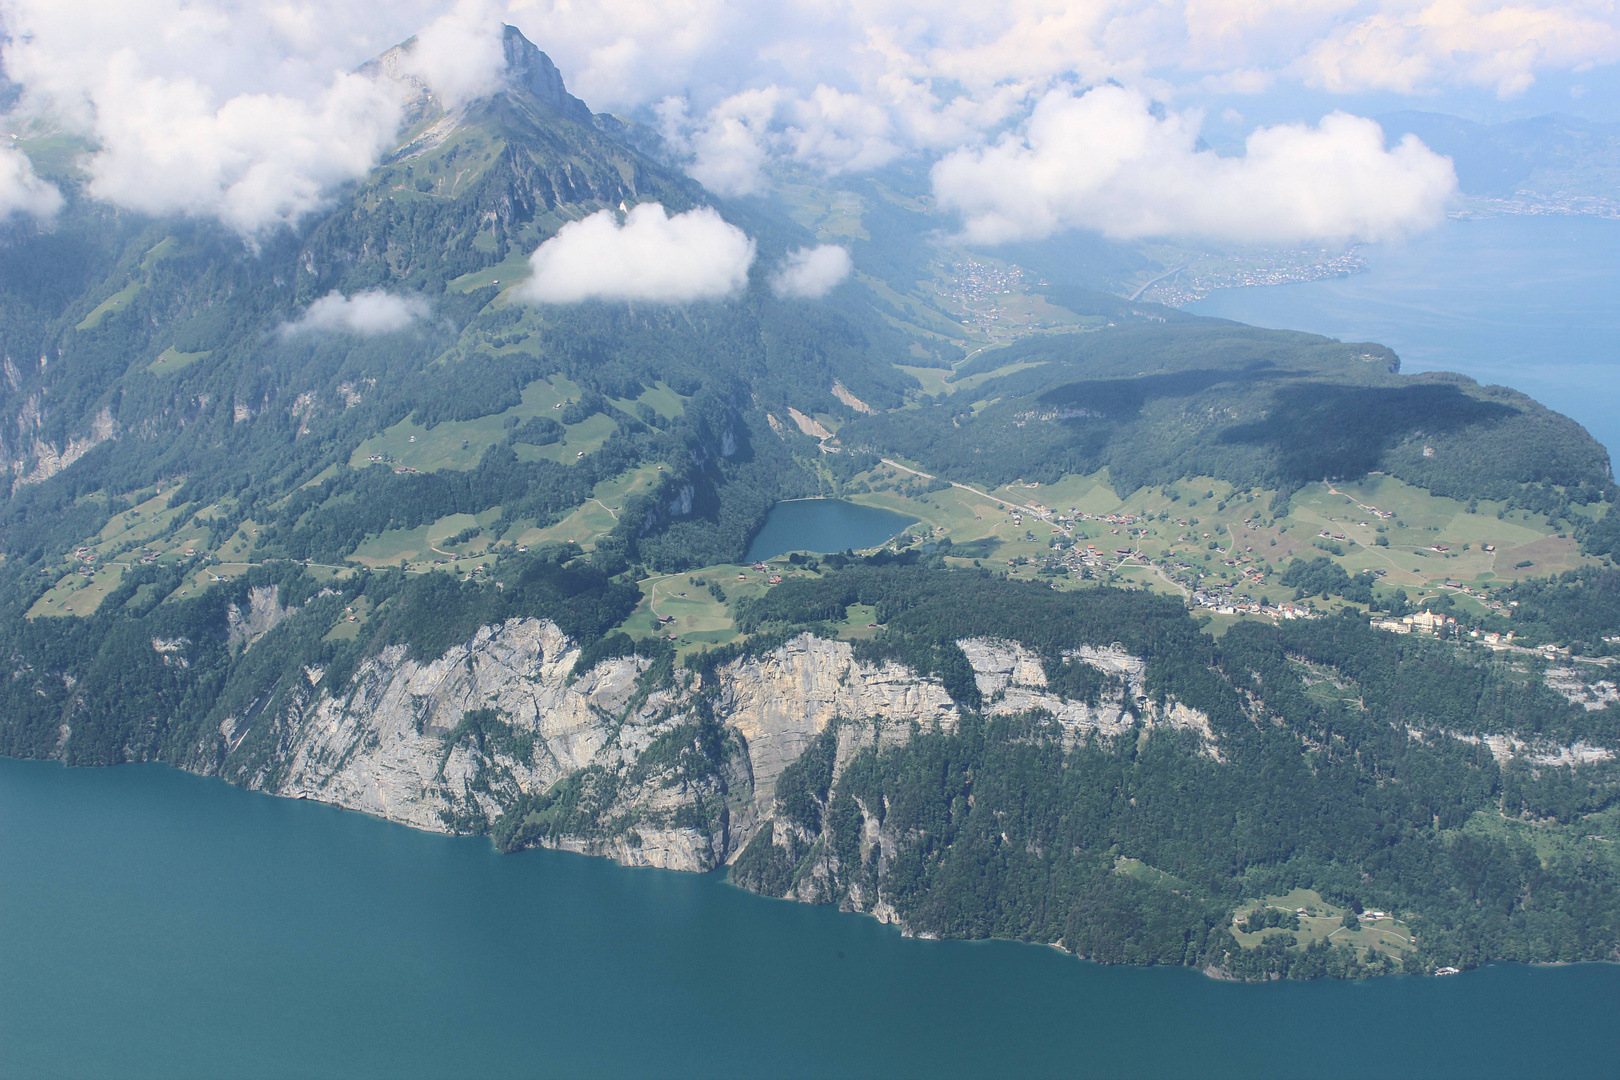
x=1528 y=302
x=156 y=924
x=824 y=525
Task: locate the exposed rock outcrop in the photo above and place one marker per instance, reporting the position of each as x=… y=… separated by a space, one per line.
x=33 y=459
x=617 y=760
x=1013 y=681
x=459 y=741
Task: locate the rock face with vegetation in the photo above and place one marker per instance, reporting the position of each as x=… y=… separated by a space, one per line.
x=456 y=742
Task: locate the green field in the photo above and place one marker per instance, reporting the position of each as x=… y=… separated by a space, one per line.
x=932 y=379
x=1240 y=525
x=658 y=397
x=347 y=628
x=164 y=248
x=77 y=595
x=426 y=545
x=1148 y=875
x=170 y=361
x=460 y=444
x=1591 y=839
x=508 y=272
x=117 y=300
x=56 y=154
x=1324 y=921
x=598 y=514
x=697 y=619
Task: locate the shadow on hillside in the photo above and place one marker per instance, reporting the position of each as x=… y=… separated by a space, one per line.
x=1123 y=399
x=1320 y=431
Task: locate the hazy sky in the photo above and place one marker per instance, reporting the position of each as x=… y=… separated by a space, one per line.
x=1035 y=115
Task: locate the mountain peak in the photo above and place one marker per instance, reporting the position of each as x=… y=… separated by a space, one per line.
x=530 y=70
x=527 y=71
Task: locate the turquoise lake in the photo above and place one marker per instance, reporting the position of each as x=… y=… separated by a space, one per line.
x=824 y=525
x=157 y=924
x=1527 y=302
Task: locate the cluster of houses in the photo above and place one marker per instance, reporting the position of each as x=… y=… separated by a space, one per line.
x=1424 y=622
x=1477 y=594
x=1112 y=519
x=1224 y=605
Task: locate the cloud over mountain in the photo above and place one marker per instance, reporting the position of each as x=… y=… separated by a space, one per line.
x=365 y=313
x=21 y=190
x=810 y=273
x=652 y=256
x=1103 y=160
x=459 y=54
x=251 y=112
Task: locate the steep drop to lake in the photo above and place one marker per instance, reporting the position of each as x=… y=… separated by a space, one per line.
x=156 y=924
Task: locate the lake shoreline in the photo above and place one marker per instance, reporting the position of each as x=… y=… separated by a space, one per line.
x=723 y=873
x=210 y=933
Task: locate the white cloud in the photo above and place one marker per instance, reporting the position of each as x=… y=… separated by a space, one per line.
x=1409 y=48
x=223 y=108
x=23 y=192
x=460 y=53
x=652 y=256
x=812 y=272
x=828 y=129
x=623 y=53
x=236 y=108
x=1102 y=160
x=255 y=161
x=366 y=313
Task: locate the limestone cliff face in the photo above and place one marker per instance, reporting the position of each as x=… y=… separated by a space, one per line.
x=658 y=766
x=459 y=741
x=29 y=458
x=807 y=861
x=501 y=734
x=780 y=702
x=1013 y=680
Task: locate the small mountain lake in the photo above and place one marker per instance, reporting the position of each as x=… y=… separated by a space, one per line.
x=159 y=924
x=824 y=525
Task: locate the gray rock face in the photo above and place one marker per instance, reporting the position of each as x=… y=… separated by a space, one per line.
x=458 y=741
x=261 y=617
x=529 y=69
x=1013 y=681
x=501 y=725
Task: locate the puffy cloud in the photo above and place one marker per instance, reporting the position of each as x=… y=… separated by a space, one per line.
x=935 y=62
x=258 y=160
x=1102 y=160
x=1411 y=47
x=225 y=108
x=812 y=272
x=827 y=129
x=460 y=54
x=23 y=192
x=365 y=313
x=652 y=256
x=239 y=108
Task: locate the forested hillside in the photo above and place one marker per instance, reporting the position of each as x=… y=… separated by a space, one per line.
x=1008 y=827
x=1256 y=408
